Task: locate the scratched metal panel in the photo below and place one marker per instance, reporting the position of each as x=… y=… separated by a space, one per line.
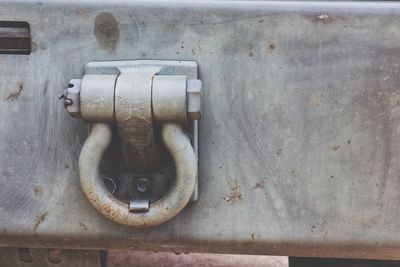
x=299 y=151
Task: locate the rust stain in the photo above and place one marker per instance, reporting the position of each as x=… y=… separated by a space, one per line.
x=107 y=209
x=124 y=219
x=92 y=197
x=253 y=236
x=316 y=102
x=14 y=96
x=38 y=190
x=113 y=213
x=235 y=194
x=38 y=221
x=106 y=30
x=259 y=184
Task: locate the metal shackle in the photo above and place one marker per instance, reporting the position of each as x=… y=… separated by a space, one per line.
x=102 y=99
x=177 y=144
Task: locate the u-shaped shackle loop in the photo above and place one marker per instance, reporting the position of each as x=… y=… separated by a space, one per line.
x=179 y=195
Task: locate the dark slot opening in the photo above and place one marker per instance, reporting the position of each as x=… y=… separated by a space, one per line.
x=15 y=37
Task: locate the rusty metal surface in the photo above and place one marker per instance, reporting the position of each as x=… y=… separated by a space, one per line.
x=329 y=262
x=298 y=142
x=25 y=257
x=123 y=258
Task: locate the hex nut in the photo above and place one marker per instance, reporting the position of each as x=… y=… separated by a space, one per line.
x=169 y=98
x=193 y=91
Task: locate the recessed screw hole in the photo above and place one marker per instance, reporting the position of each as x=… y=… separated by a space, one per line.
x=54 y=256
x=25 y=255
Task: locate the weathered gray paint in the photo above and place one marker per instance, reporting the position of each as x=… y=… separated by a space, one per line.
x=300 y=108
